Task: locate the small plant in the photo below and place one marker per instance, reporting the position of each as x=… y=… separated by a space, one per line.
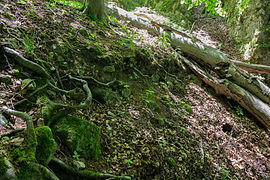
x=107 y=159
x=123 y=41
x=163 y=143
x=195 y=166
x=225 y=174
x=184 y=130
x=29 y=44
x=94 y=22
x=128 y=162
x=76 y=156
x=239 y=111
x=94 y=35
x=113 y=19
x=21 y=2
x=163 y=38
x=149 y=95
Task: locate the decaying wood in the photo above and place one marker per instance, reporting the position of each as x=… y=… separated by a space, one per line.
x=230 y=80
x=231 y=90
x=252 y=68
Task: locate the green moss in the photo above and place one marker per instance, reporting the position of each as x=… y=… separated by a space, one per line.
x=3 y=166
x=26 y=170
x=23 y=158
x=79 y=135
x=46 y=145
x=90 y=173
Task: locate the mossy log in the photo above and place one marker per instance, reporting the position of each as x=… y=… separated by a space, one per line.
x=237 y=84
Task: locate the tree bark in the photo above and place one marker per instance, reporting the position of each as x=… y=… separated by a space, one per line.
x=94 y=8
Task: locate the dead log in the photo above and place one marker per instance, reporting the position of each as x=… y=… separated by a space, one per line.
x=231 y=90
x=231 y=81
x=252 y=68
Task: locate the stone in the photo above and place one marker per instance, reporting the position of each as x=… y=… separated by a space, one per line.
x=109 y=69
x=46 y=145
x=7 y=170
x=79 y=165
x=79 y=135
x=126 y=92
x=84 y=32
x=250 y=28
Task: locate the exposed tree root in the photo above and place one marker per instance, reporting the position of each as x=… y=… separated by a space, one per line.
x=96 y=81
x=82 y=175
x=31 y=137
x=25 y=62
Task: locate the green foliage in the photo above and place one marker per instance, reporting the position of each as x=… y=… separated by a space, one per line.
x=243 y=4
x=76 y=156
x=51 y=5
x=107 y=159
x=181 y=107
x=74 y=4
x=128 y=162
x=164 y=39
x=130 y=5
x=163 y=143
x=265 y=45
x=149 y=96
x=29 y=44
x=3 y=167
x=239 y=111
x=113 y=19
x=225 y=174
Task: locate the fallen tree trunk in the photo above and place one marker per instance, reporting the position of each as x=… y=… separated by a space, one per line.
x=230 y=80
x=226 y=87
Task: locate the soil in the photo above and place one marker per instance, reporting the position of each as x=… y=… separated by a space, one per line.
x=172 y=126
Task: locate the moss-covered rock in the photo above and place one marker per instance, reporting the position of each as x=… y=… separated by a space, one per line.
x=3 y=166
x=46 y=145
x=79 y=135
x=7 y=170
x=23 y=157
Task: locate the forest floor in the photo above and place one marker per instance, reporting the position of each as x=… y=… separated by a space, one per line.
x=171 y=126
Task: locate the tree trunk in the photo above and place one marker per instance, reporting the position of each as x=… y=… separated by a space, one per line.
x=225 y=77
x=94 y=8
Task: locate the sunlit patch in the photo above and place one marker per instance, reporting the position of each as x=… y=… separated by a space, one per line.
x=220 y=130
